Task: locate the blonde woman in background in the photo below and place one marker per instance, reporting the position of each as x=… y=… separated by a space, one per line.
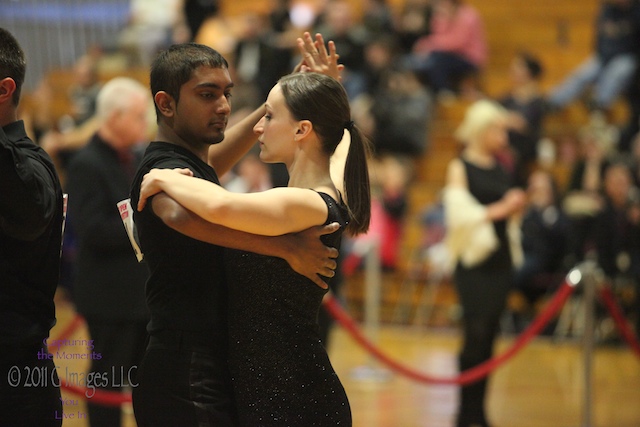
x=479 y=201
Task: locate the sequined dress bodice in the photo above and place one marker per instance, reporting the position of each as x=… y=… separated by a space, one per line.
x=281 y=372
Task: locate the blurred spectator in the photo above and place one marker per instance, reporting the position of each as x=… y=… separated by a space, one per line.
x=632 y=127
x=545 y=233
x=618 y=223
x=339 y=24
x=377 y=18
x=413 y=22
x=481 y=211
x=283 y=32
x=380 y=54
x=153 y=25
x=525 y=105
x=36 y=111
x=456 y=48
x=84 y=89
x=74 y=128
x=109 y=281
x=611 y=66
x=634 y=160
x=401 y=110
x=392 y=178
x=617 y=232
x=583 y=198
x=257 y=63
x=250 y=175
x=196 y=12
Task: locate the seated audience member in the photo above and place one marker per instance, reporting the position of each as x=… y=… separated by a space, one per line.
x=583 y=197
x=525 y=105
x=614 y=60
x=413 y=22
x=545 y=229
x=617 y=231
x=456 y=47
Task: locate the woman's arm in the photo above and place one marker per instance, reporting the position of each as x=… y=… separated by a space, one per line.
x=338 y=162
x=271 y=213
x=510 y=203
x=304 y=251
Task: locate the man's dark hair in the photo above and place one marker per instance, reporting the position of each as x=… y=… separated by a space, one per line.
x=12 y=62
x=174 y=67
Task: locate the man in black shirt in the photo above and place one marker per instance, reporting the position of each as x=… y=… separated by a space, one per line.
x=184 y=379
x=31 y=218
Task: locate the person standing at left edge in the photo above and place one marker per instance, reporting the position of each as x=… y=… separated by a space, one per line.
x=31 y=218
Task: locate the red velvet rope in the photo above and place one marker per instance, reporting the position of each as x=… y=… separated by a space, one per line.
x=621 y=322
x=470 y=375
x=110 y=398
x=100 y=397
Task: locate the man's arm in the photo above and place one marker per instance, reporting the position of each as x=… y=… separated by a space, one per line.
x=28 y=196
x=240 y=137
x=304 y=251
x=238 y=140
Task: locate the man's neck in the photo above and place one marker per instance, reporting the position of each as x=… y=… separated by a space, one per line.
x=7 y=117
x=168 y=135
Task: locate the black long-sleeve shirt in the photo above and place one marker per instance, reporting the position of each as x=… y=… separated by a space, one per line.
x=31 y=218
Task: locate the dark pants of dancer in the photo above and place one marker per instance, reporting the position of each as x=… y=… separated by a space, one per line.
x=480 y=332
x=119 y=346
x=29 y=387
x=182 y=383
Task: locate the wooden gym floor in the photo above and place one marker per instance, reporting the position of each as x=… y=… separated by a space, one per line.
x=542 y=386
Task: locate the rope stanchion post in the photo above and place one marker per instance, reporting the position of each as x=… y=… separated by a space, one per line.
x=591 y=279
x=373 y=294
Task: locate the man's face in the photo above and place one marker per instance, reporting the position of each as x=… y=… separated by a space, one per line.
x=204 y=107
x=131 y=125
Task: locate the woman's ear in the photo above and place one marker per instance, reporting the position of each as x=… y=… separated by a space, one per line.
x=165 y=103
x=305 y=127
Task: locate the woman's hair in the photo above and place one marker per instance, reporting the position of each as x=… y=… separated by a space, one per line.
x=174 y=67
x=477 y=118
x=323 y=101
x=533 y=65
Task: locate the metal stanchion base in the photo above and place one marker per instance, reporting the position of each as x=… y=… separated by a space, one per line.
x=371 y=374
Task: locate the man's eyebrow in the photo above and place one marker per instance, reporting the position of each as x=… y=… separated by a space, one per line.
x=214 y=85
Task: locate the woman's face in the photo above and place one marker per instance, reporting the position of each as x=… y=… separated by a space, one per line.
x=519 y=71
x=494 y=137
x=276 y=130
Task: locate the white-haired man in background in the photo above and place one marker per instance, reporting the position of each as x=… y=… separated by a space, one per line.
x=108 y=286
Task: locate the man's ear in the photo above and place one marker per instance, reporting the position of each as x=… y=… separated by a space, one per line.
x=165 y=103
x=7 y=89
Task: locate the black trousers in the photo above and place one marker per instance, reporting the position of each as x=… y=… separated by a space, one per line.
x=29 y=387
x=480 y=331
x=120 y=346
x=182 y=383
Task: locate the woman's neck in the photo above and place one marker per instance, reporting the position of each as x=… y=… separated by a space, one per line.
x=525 y=92
x=309 y=172
x=479 y=157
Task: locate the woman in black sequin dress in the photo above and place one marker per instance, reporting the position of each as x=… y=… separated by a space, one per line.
x=281 y=372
